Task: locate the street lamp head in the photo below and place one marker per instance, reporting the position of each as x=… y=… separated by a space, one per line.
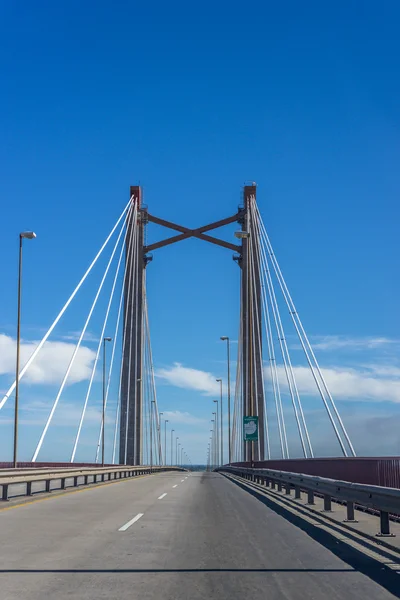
x=215 y=401
x=242 y=235
x=224 y=338
x=29 y=235
x=107 y=339
x=219 y=380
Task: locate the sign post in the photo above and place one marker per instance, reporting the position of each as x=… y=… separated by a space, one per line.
x=250 y=429
x=250 y=433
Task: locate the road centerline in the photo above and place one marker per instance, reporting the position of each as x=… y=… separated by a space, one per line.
x=162 y=496
x=131 y=522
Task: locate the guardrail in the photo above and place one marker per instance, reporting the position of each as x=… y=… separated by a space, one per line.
x=383 y=499
x=42 y=482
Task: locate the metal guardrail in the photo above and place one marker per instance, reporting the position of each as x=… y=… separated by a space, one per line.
x=70 y=478
x=385 y=500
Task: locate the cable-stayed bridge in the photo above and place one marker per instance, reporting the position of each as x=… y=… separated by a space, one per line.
x=263 y=349
x=263 y=519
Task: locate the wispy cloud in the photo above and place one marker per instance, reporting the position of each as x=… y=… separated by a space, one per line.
x=190 y=379
x=372 y=383
x=66 y=415
x=183 y=418
x=51 y=362
x=73 y=336
x=338 y=342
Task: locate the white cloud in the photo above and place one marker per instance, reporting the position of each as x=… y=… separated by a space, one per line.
x=73 y=336
x=191 y=379
x=183 y=418
x=373 y=382
x=66 y=415
x=337 y=342
x=51 y=363
x=347 y=383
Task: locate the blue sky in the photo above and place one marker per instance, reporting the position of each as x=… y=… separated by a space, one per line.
x=191 y=102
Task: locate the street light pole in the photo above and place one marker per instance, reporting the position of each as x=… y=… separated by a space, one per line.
x=151 y=434
x=216 y=438
x=216 y=420
x=222 y=433
x=213 y=443
x=106 y=339
x=160 y=434
x=172 y=438
x=178 y=464
x=226 y=338
x=165 y=441
x=29 y=235
x=176 y=452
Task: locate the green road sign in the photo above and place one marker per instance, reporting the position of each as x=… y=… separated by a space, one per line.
x=250 y=429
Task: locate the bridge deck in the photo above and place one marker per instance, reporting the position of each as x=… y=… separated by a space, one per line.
x=206 y=538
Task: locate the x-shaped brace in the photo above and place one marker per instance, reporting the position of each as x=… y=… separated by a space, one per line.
x=199 y=233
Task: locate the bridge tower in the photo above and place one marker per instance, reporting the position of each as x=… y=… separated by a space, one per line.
x=248 y=258
x=130 y=439
x=251 y=319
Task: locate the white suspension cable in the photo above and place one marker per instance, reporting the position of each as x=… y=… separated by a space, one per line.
x=253 y=361
x=305 y=342
x=259 y=334
x=274 y=373
x=283 y=345
x=99 y=347
x=130 y=276
x=76 y=349
x=237 y=430
x=134 y=290
x=60 y=314
x=153 y=381
x=115 y=431
x=115 y=336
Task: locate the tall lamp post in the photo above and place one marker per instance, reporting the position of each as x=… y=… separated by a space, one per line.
x=28 y=235
x=172 y=439
x=160 y=434
x=103 y=421
x=216 y=420
x=226 y=339
x=222 y=434
x=176 y=451
x=177 y=460
x=165 y=441
x=151 y=433
x=213 y=461
x=216 y=438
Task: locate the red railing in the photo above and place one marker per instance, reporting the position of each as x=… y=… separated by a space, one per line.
x=384 y=471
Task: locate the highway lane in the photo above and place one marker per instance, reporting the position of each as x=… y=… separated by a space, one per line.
x=197 y=536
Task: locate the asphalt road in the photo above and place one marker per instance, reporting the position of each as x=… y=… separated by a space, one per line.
x=206 y=538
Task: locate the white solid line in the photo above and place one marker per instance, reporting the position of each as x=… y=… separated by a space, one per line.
x=174 y=486
x=182 y=480
x=162 y=496
x=131 y=522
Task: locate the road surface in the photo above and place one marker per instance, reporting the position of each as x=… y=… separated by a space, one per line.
x=200 y=536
